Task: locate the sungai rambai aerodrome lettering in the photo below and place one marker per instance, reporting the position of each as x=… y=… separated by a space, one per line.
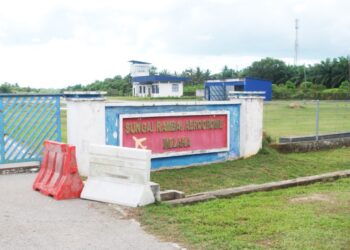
x=171 y=126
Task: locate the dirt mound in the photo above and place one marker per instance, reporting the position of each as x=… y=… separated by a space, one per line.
x=313 y=198
x=295 y=105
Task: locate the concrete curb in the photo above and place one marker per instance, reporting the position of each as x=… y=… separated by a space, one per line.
x=309 y=146
x=231 y=192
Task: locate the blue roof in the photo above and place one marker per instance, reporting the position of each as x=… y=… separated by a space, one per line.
x=158 y=78
x=138 y=62
x=227 y=82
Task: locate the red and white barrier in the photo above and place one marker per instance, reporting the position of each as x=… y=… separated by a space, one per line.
x=58 y=176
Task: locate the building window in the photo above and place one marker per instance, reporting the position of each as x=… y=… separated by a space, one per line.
x=175 y=87
x=140 y=89
x=144 y=89
x=155 y=89
x=239 y=88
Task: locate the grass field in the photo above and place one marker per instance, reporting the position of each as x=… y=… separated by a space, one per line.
x=285 y=118
x=64 y=125
x=311 y=217
x=257 y=169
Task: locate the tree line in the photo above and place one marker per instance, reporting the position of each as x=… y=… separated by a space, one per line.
x=289 y=81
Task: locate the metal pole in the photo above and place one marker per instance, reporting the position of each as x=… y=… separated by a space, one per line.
x=317 y=118
x=348 y=74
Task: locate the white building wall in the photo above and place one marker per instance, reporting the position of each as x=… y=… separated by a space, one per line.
x=139 y=69
x=251 y=125
x=136 y=90
x=85 y=125
x=166 y=89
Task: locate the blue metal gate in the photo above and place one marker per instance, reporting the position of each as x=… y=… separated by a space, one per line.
x=25 y=122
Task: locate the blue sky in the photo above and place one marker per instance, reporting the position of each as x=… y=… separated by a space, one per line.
x=60 y=43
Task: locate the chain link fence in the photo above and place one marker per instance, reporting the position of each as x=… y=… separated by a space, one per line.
x=306 y=118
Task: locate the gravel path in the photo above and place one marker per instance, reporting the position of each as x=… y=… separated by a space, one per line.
x=30 y=220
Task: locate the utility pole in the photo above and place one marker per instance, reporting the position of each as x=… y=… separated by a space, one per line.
x=349 y=68
x=296 y=45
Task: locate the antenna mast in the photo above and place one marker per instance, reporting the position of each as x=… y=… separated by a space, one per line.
x=296 y=45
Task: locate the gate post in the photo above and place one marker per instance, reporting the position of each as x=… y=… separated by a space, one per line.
x=85 y=126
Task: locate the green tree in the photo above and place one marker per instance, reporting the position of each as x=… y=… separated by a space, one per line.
x=270 y=69
x=228 y=73
x=6 y=88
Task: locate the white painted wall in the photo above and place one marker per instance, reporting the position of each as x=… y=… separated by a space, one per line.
x=199 y=92
x=141 y=69
x=165 y=90
x=136 y=90
x=251 y=125
x=85 y=125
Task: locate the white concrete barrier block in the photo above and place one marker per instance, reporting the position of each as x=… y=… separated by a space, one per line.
x=119 y=175
x=108 y=190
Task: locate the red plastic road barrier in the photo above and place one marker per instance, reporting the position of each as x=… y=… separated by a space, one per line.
x=58 y=176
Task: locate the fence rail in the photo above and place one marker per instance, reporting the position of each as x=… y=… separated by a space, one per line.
x=25 y=122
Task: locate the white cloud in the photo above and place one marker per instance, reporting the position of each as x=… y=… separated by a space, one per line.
x=62 y=42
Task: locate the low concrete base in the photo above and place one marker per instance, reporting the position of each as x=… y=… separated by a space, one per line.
x=155 y=187
x=168 y=195
x=231 y=192
x=21 y=167
x=309 y=138
x=295 y=147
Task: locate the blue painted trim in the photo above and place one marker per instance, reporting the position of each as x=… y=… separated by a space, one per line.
x=223 y=83
x=29 y=95
x=158 y=79
x=189 y=160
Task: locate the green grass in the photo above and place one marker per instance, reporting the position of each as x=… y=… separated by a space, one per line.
x=282 y=120
x=257 y=169
x=64 y=125
x=311 y=217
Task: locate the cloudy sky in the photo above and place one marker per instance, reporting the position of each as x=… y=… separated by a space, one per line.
x=56 y=43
